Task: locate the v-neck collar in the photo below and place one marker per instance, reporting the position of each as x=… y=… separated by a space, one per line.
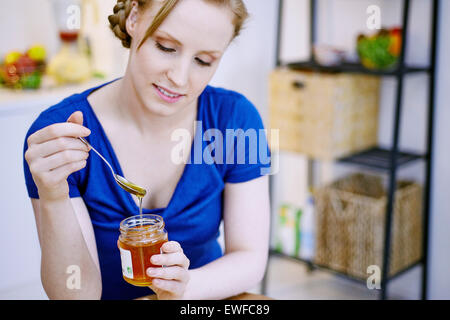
x=115 y=161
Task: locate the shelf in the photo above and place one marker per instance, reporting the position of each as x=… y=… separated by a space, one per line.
x=316 y=266
x=339 y=273
x=380 y=159
x=353 y=68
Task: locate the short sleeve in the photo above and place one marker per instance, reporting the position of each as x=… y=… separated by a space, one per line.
x=41 y=122
x=247 y=151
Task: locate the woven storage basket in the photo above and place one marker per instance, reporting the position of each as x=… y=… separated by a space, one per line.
x=324 y=115
x=350 y=223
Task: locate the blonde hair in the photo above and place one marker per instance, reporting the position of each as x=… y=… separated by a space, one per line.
x=123 y=8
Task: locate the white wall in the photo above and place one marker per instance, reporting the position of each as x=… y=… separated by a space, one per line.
x=248 y=61
x=26 y=22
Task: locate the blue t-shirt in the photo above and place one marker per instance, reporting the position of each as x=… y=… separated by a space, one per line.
x=194 y=213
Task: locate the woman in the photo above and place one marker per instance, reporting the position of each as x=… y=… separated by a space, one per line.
x=130 y=121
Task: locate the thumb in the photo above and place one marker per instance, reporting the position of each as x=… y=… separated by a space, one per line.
x=76 y=117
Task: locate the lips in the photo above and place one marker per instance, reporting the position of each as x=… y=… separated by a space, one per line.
x=168 y=92
x=167 y=95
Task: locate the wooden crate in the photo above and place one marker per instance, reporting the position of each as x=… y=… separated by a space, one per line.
x=324 y=115
x=350 y=224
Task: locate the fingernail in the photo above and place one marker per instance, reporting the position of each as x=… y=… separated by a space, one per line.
x=170 y=246
x=152 y=272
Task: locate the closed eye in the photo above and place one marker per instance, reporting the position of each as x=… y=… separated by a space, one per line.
x=162 y=48
x=203 y=63
x=165 y=49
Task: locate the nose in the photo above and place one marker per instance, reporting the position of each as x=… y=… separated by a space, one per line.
x=178 y=74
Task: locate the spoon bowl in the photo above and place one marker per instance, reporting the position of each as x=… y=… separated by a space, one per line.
x=129 y=186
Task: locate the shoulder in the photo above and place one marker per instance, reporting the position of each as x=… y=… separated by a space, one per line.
x=61 y=111
x=231 y=108
x=54 y=114
x=226 y=100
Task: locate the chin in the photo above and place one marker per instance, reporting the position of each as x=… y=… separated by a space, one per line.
x=160 y=109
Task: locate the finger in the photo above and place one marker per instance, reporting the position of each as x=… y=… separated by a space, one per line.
x=172 y=286
x=171 y=246
x=60 y=174
x=76 y=117
x=170 y=259
x=61 y=158
x=169 y=273
x=57 y=130
x=59 y=144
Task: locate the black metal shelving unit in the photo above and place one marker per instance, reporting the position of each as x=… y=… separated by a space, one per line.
x=386 y=160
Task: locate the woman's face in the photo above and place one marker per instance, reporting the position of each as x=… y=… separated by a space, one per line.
x=173 y=66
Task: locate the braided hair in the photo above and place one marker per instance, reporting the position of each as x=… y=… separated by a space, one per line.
x=118 y=21
x=123 y=8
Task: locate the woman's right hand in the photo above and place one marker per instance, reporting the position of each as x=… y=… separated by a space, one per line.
x=54 y=152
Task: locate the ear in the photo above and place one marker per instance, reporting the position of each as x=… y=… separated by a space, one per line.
x=132 y=20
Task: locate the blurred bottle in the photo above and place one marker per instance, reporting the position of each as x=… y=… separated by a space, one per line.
x=307 y=230
x=288 y=230
x=71 y=64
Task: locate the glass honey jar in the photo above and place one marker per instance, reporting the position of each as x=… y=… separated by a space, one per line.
x=140 y=238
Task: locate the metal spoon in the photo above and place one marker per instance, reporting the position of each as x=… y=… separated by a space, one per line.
x=121 y=181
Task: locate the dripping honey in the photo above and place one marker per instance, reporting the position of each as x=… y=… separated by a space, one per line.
x=132 y=188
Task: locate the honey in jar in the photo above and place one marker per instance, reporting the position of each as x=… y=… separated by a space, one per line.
x=140 y=238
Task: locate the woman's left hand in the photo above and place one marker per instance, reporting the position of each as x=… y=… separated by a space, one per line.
x=171 y=280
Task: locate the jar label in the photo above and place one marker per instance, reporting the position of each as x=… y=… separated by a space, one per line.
x=127 y=265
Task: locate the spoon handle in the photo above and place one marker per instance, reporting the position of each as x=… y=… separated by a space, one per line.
x=89 y=145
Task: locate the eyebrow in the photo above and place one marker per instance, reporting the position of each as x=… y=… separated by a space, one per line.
x=180 y=44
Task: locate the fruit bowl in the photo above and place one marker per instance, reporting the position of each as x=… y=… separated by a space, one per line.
x=380 y=51
x=23 y=70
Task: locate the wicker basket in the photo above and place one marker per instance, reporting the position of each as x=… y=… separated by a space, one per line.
x=324 y=115
x=350 y=225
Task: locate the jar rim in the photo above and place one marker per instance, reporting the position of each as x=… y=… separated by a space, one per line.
x=151 y=222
